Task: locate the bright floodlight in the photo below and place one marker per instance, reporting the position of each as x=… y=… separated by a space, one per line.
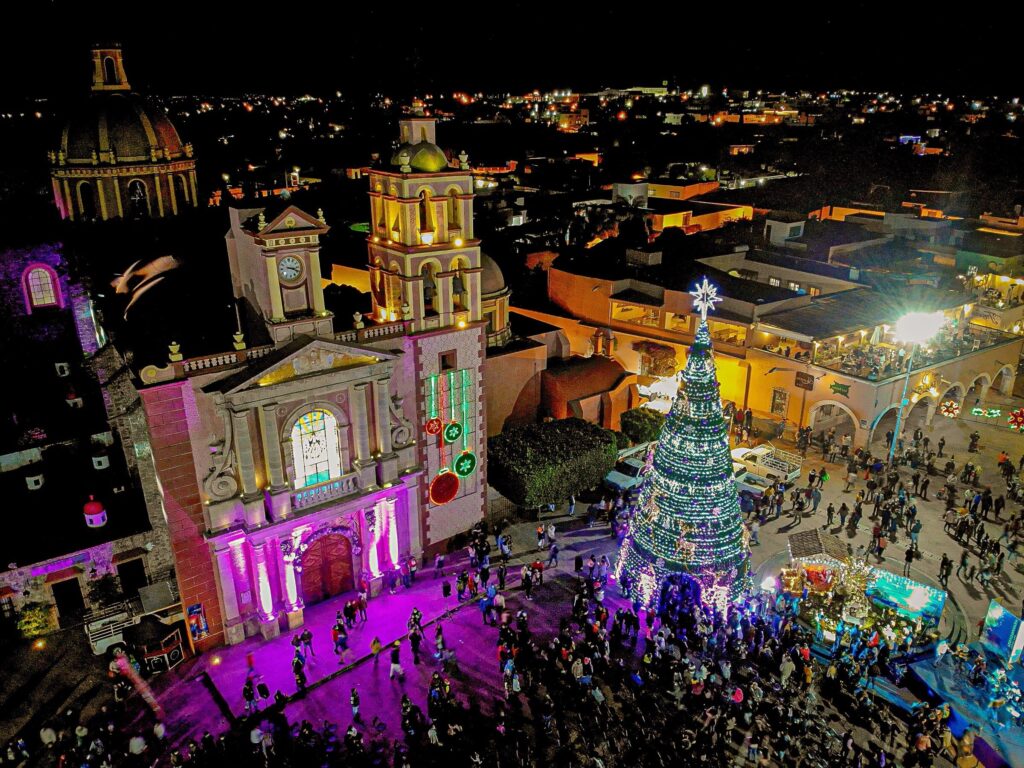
x=919 y=327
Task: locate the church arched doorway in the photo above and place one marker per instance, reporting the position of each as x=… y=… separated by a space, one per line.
x=327 y=568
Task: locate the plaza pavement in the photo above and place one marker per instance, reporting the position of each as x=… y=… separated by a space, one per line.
x=205 y=694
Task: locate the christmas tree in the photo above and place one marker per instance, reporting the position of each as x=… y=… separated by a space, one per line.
x=688 y=519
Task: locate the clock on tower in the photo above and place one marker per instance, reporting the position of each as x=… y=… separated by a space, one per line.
x=275 y=267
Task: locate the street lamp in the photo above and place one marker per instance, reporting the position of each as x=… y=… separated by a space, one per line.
x=914 y=328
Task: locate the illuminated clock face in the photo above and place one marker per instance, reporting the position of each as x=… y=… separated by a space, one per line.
x=290 y=268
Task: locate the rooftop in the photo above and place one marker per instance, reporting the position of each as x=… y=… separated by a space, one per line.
x=850 y=311
x=678 y=270
x=48 y=522
x=821 y=235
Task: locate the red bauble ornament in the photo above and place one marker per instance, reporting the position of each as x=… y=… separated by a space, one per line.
x=444 y=488
x=433 y=427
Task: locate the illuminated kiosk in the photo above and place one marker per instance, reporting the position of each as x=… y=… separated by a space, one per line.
x=845 y=595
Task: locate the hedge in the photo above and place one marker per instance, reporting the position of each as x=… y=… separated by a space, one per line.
x=642 y=425
x=542 y=463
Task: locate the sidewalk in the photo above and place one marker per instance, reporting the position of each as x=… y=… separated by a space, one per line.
x=192 y=705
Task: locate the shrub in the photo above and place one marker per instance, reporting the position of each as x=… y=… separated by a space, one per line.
x=35 y=619
x=542 y=463
x=621 y=440
x=642 y=425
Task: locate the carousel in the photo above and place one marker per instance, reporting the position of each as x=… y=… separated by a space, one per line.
x=839 y=593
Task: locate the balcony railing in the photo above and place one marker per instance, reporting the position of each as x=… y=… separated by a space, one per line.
x=374 y=332
x=982 y=339
x=337 y=488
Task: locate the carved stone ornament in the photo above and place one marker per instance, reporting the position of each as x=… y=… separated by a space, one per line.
x=220 y=482
x=401 y=427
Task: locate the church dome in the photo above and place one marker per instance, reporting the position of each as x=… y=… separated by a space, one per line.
x=424 y=157
x=124 y=123
x=492 y=281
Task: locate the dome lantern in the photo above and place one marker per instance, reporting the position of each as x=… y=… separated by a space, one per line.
x=95 y=513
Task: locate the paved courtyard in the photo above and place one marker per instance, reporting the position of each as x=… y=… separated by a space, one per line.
x=204 y=694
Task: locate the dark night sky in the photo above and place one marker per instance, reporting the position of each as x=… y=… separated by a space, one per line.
x=222 y=46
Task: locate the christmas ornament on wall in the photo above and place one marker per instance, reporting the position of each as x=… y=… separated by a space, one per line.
x=433 y=426
x=452 y=432
x=465 y=464
x=1016 y=419
x=443 y=488
x=950 y=409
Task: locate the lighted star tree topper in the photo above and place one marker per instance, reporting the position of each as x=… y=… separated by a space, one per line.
x=688 y=517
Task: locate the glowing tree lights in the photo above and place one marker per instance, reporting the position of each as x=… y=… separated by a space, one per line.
x=688 y=517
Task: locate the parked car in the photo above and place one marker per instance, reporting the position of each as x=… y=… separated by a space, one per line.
x=626 y=476
x=769 y=462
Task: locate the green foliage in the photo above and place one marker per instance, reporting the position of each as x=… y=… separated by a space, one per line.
x=105 y=590
x=541 y=463
x=35 y=619
x=622 y=440
x=642 y=425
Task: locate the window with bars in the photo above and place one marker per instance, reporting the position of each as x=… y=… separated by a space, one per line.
x=41 y=289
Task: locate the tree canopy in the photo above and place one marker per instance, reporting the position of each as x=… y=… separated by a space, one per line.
x=542 y=463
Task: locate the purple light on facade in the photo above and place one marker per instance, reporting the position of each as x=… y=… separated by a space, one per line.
x=59 y=565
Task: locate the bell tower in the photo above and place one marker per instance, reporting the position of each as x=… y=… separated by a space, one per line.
x=108 y=69
x=425 y=269
x=424 y=257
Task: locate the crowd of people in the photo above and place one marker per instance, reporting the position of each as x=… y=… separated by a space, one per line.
x=610 y=682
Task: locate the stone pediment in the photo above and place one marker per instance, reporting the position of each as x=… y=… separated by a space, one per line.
x=302 y=358
x=290 y=221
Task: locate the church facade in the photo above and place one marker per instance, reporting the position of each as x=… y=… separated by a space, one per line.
x=295 y=471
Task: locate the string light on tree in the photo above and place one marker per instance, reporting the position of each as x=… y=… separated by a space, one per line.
x=688 y=519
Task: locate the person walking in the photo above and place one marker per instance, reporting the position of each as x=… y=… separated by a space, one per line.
x=965 y=561
x=880 y=548
x=553 y=556
x=908 y=560
x=415 y=639
x=815 y=500
x=923 y=488
x=945 y=567
x=353 y=700
x=830 y=511
x=396 y=662
x=376 y=646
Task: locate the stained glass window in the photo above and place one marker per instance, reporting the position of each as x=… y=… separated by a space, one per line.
x=315 y=448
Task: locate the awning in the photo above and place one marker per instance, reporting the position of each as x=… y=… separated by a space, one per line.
x=776 y=331
x=63 y=574
x=129 y=554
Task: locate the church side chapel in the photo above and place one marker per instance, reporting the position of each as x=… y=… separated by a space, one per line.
x=308 y=454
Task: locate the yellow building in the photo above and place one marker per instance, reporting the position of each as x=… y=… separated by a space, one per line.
x=777 y=325
x=119 y=157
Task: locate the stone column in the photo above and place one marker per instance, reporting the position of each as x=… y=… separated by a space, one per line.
x=233 y=628
x=101 y=194
x=264 y=594
x=381 y=409
x=171 y=192
x=316 y=285
x=360 y=426
x=195 y=195
x=159 y=195
x=243 y=452
x=290 y=585
x=117 y=198
x=272 y=446
x=276 y=304
x=71 y=200
x=473 y=287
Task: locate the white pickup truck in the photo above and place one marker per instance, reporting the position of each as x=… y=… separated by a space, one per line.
x=770 y=463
